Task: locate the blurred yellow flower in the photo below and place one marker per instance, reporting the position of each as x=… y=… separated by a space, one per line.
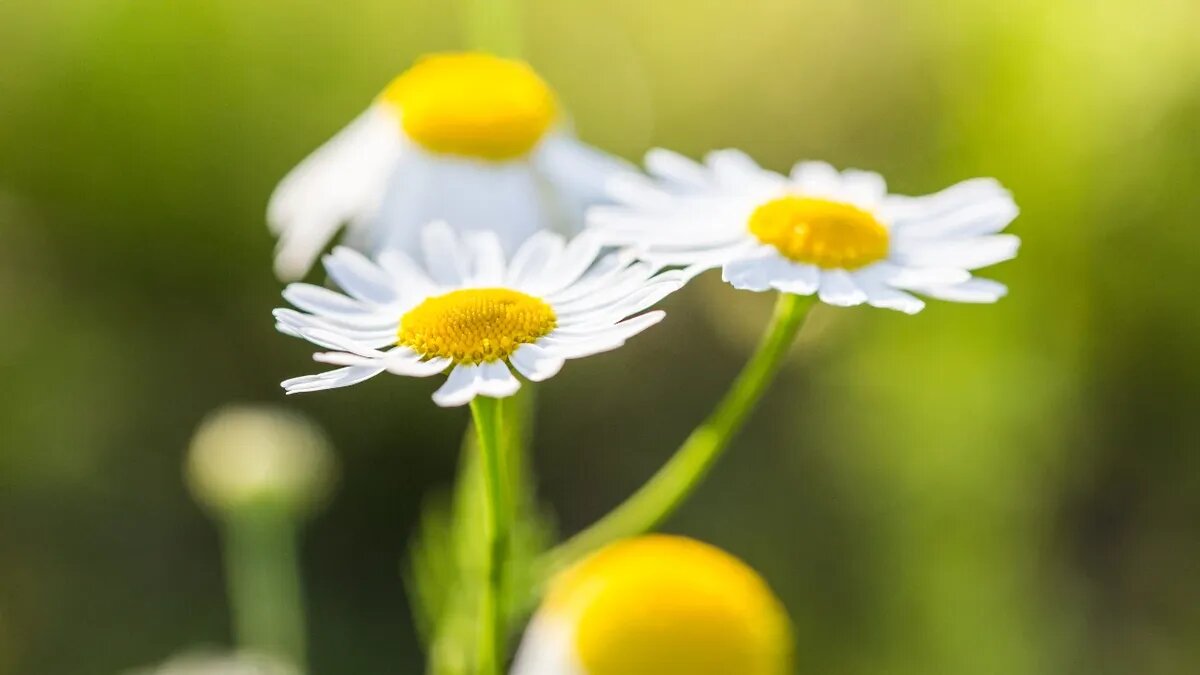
x=470 y=138
x=658 y=605
x=838 y=234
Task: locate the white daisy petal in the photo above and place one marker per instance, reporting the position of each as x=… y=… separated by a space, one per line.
x=880 y=294
x=975 y=291
x=838 y=288
x=965 y=254
x=535 y=363
x=816 y=179
x=734 y=168
x=674 y=168
x=341 y=182
x=360 y=277
x=324 y=301
x=534 y=257
x=579 y=172
x=342 y=377
x=496 y=380
x=752 y=273
x=574 y=347
x=797 y=278
x=334 y=339
x=348 y=359
x=461 y=386
x=576 y=258
x=410 y=279
x=863 y=188
x=415 y=367
x=444 y=254
x=632 y=189
x=487 y=256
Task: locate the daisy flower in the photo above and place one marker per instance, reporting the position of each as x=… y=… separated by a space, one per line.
x=473 y=139
x=658 y=605
x=472 y=311
x=840 y=235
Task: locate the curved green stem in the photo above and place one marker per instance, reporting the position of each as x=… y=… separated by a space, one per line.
x=675 y=481
x=492 y=631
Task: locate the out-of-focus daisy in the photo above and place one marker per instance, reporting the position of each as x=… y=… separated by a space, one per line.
x=838 y=234
x=470 y=138
x=471 y=311
x=658 y=605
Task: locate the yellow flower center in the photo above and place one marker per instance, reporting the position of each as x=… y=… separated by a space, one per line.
x=472 y=104
x=820 y=232
x=664 y=605
x=475 y=325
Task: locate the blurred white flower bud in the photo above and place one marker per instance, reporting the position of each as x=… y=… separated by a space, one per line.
x=256 y=455
x=215 y=663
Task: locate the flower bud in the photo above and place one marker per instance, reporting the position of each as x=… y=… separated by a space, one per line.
x=248 y=456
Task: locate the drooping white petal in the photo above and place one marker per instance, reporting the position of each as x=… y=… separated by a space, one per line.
x=535 y=363
x=460 y=387
x=343 y=181
x=880 y=294
x=416 y=367
x=342 y=377
x=508 y=198
x=752 y=273
x=579 y=174
x=975 y=290
x=496 y=380
x=797 y=278
x=838 y=288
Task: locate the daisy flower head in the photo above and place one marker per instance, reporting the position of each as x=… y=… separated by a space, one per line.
x=474 y=139
x=472 y=311
x=838 y=234
x=658 y=605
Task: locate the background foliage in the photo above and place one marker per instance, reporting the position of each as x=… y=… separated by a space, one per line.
x=1010 y=489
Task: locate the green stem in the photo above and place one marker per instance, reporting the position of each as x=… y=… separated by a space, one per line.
x=493 y=632
x=675 y=481
x=263 y=573
x=493 y=26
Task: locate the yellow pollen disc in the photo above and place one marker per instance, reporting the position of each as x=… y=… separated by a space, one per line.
x=664 y=605
x=475 y=325
x=828 y=234
x=472 y=104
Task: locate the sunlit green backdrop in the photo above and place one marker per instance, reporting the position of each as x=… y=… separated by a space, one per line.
x=975 y=490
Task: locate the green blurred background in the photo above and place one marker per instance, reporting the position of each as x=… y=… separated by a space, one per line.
x=974 y=490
